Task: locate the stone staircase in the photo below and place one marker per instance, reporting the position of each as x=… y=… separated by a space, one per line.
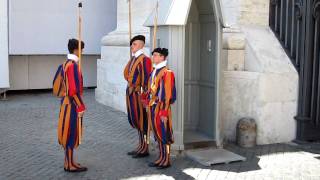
x=259 y=81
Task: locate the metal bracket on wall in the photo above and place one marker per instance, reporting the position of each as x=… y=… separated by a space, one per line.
x=209 y=45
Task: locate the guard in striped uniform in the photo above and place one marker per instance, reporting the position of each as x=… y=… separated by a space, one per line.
x=72 y=108
x=161 y=94
x=136 y=73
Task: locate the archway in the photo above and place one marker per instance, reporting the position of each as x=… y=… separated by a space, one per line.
x=200 y=80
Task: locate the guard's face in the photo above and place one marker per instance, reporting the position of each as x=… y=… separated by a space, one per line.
x=157 y=58
x=76 y=52
x=136 y=46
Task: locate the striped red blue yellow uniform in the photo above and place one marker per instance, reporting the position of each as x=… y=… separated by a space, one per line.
x=69 y=125
x=162 y=93
x=137 y=73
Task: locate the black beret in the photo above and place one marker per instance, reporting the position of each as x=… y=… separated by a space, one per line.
x=138 y=37
x=162 y=51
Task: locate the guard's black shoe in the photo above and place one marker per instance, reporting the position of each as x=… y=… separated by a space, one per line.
x=152 y=164
x=131 y=153
x=164 y=167
x=140 y=155
x=81 y=169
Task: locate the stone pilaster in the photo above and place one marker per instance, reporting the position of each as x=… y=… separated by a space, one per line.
x=115 y=52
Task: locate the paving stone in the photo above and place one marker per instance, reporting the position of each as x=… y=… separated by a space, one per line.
x=29 y=148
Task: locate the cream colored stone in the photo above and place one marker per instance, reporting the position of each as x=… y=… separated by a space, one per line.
x=245 y=12
x=264 y=53
x=278 y=87
x=231 y=12
x=276 y=122
x=254 y=12
x=235 y=60
x=141 y=9
x=239 y=99
x=111 y=85
x=234 y=41
x=265 y=91
x=243 y=96
x=269 y=96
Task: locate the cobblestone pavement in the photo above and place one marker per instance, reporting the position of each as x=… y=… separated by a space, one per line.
x=29 y=148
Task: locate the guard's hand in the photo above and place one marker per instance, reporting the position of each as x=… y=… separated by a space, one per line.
x=144 y=100
x=145 y=103
x=131 y=90
x=80 y=114
x=164 y=119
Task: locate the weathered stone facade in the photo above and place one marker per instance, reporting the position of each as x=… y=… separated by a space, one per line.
x=254 y=12
x=267 y=88
x=257 y=78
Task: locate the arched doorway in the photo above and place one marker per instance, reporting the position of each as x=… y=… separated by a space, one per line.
x=191 y=30
x=200 y=77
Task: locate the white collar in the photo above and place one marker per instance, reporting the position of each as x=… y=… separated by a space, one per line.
x=138 y=53
x=73 y=57
x=160 y=65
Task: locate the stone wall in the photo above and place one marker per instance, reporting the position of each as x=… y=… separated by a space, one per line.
x=254 y=12
x=237 y=12
x=258 y=79
x=266 y=89
x=115 y=52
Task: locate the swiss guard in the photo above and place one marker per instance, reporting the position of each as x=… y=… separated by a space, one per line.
x=161 y=94
x=68 y=84
x=136 y=73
